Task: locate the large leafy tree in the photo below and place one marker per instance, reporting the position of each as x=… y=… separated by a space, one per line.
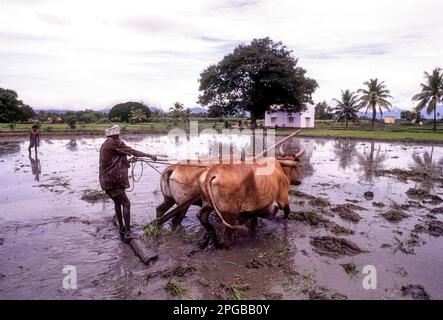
x=122 y=111
x=431 y=93
x=12 y=109
x=376 y=95
x=252 y=78
x=347 y=107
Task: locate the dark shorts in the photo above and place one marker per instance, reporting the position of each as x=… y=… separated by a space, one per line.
x=33 y=143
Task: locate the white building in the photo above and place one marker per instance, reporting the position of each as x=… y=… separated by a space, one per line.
x=284 y=119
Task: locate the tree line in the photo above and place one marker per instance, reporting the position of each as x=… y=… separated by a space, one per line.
x=13 y=110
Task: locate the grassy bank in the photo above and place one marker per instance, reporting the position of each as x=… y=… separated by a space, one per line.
x=395 y=134
x=381 y=132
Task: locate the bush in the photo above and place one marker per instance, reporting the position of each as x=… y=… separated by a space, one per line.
x=71 y=121
x=103 y=121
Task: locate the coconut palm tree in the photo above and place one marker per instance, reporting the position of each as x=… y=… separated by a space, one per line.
x=347 y=107
x=375 y=95
x=138 y=115
x=431 y=93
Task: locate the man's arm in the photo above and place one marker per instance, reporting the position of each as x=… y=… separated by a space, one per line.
x=124 y=149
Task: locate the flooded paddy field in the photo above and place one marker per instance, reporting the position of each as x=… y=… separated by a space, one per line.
x=361 y=206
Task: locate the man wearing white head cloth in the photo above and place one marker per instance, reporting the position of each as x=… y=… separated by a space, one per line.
x=113 y=175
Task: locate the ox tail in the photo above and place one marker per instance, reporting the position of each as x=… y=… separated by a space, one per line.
x=164 y=181
x=208 y=182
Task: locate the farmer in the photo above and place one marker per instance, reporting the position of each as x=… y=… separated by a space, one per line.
x=113 y=175
x=34 y=139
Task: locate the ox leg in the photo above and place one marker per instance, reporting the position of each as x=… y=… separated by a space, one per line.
x=286 y=210
x=270 y=213
x=177 y=220
x=165 y=206
x=253 y=221
x=228 y=234
x=203 y=216
x=253 y=227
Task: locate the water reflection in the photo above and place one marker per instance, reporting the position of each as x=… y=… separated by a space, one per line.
x=426 y=164
x=293 y=146
x=370 y=161
x=35 y=166
x=72 y=145
x=345 y=152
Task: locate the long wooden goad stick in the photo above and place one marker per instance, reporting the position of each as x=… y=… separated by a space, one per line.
x=277 y=144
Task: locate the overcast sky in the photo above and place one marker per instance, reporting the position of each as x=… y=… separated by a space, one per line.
x=93 y=54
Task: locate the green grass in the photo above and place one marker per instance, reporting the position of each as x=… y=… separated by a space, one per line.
x=379 y=133
x=94 y=127
x=151 y=230
x=175 y=289
x=362 y=131
x=350 y=269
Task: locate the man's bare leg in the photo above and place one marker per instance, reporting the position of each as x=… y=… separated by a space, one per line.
x=121 y=197
x=115 y=196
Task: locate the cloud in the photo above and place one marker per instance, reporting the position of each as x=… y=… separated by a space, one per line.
x=94 y=53
x=53 y=19
x=149 y=24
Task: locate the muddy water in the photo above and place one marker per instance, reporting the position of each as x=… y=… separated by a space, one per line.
x=45 y=225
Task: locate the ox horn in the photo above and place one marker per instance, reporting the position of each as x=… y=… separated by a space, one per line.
x=300 y=153
x=288 y=163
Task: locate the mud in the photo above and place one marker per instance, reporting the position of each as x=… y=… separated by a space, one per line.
x=416 y=175
x=437 y=210
x=94 y=196
x=433 y=228
x=424 y=196
x=310 y=217
x=345 y=212
x=335 y=247
x=417 y=292
x=339 y=230
x=45 y=225
x=394 y=215
x=369 y=195
x=378 y=204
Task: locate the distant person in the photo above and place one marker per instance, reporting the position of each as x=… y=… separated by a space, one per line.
x=35 y=166
x=34 y=139
x=113 y=176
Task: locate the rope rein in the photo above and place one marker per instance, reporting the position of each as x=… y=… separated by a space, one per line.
x=148 y=162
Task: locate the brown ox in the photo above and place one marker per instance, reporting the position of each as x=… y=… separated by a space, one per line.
x=178 y=184
x=237 y=192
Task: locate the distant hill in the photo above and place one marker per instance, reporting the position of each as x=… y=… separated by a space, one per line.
x=396 y=112
x=59 y=111
x=198 y=110
x=425 y=115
